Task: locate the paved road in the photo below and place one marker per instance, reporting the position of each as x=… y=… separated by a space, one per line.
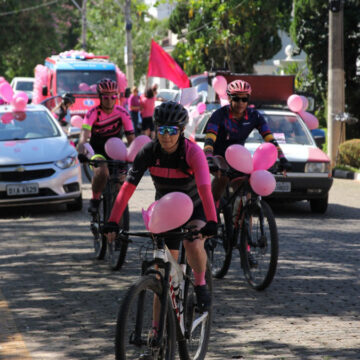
x=58 y=303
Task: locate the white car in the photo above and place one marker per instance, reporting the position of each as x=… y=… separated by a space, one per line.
x=310 y=177
x=38 y=165
x=164 y=95
x=23 y=84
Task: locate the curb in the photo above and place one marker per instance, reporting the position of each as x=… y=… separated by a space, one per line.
x=342 y=174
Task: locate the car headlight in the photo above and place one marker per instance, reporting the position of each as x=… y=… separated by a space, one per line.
x=317 y=167
x=67 y=162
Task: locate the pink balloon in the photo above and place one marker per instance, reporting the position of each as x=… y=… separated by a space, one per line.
x=6 y=91
x=239 y=158
x=76 y=121
x=295 y=103
x=262 y=182
x=146 y=214
x=21 y=94
x=194 y=113
x=305 y=102
x=89 y=150
x=19 y=103
x=219 y=84
x=310 y=120
x=2 y=79
x=84 y=87
x=116 y=149
x=166 y=215
x=223 y=101
x=201 y=107
x=135 y=146
x=93 y=88
x=265 y=156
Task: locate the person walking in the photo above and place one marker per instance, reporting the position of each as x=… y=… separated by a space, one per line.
x=147 y=103
x=134 y=108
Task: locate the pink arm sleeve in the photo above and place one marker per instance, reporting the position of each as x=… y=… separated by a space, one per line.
x=121 y=201
x=196 y=159
x=127 y=122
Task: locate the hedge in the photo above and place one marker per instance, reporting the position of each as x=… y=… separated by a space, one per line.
x=349 y=153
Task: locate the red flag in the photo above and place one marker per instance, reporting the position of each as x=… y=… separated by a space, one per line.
x=161 y=64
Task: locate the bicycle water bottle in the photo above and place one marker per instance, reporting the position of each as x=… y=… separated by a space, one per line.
x=175 y=272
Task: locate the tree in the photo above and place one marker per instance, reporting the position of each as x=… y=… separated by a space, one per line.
x=230 y=34
x=32 y=31
x=108 y=37
x=309 y=30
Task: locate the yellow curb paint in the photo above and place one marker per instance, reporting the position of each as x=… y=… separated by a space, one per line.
x=12 y=346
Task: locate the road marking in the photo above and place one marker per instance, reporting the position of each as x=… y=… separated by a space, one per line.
x=12 y=346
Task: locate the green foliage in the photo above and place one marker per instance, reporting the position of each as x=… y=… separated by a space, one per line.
x=349 y=153
x=232 y=34
x=27 y=37
x=309 y=30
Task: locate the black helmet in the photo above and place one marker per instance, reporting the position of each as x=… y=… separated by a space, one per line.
x=172 y=114
x=68 y=98
x=106 y=86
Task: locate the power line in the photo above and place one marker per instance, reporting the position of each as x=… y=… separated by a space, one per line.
x=28 y=9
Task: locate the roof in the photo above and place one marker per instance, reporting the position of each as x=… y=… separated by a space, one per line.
x=79 y=63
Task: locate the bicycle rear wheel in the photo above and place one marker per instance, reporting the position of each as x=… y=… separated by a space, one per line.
x=116 y=251
x=134 y=331
x=193 y=345
x=259 y=246
x=219 y=248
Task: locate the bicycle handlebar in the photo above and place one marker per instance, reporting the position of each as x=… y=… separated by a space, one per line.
x=187 y=234
x=97 y=162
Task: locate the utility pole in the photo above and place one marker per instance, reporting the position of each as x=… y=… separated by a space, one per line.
x=336 y=79
x=83 y=19
x=129 y=50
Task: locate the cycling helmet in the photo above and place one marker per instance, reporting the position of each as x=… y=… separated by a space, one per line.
x=238 y=87
x=172 y=114
x=106 y=86
x=68 y=98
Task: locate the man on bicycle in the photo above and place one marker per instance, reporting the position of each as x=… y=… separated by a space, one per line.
x=175 y=164
x=101 y=123
x=232 y=124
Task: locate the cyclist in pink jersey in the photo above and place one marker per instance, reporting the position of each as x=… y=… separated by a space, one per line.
x=147 y=102
x=175 y=164
x=101 y=123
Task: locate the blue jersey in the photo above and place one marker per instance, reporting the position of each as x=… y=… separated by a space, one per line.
x=224 y=130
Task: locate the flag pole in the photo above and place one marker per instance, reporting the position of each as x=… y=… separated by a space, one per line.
x=147 y=77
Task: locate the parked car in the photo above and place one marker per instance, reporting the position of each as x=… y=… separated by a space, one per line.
x=23 y=84
x=38 y=165
x=310 y=178
x=167 y=95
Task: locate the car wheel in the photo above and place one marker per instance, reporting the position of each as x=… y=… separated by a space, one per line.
x=319 y=205
x=75 y=206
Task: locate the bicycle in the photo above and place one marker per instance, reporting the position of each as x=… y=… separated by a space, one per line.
x=179 y=317
x=247 y=223
x=115 y=252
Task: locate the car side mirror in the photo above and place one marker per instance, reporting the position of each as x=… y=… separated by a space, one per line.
x=319 y=137
x=44 y=90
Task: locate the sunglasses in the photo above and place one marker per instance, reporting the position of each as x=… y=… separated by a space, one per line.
x=108 y=97
x=237 y=99
x=171 y=130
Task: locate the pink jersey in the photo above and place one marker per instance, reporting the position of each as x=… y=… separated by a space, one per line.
x=103 y=124
x=148 y=106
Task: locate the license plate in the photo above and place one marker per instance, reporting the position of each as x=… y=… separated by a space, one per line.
x=283 y=187
x=22 y=189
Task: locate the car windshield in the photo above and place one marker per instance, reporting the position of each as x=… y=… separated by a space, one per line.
x=24 y=85
x=166 y=95
x=287 y=129
x=27 y=125
x=80 y=81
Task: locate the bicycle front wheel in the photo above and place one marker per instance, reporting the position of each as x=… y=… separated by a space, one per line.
x=193 y=345
x=117 y=249
x=219 y=248
x=259 y=246
x=135 y=338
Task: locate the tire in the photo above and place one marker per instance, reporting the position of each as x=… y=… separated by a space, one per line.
x=195 y=343
x=75 y=206
x=263 y=249
x=99 y=241
x=219 y=248
x=116 y=251
x=319 y=206
x=139 y=301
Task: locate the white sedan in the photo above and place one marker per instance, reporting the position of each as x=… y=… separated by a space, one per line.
x=38 y=164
